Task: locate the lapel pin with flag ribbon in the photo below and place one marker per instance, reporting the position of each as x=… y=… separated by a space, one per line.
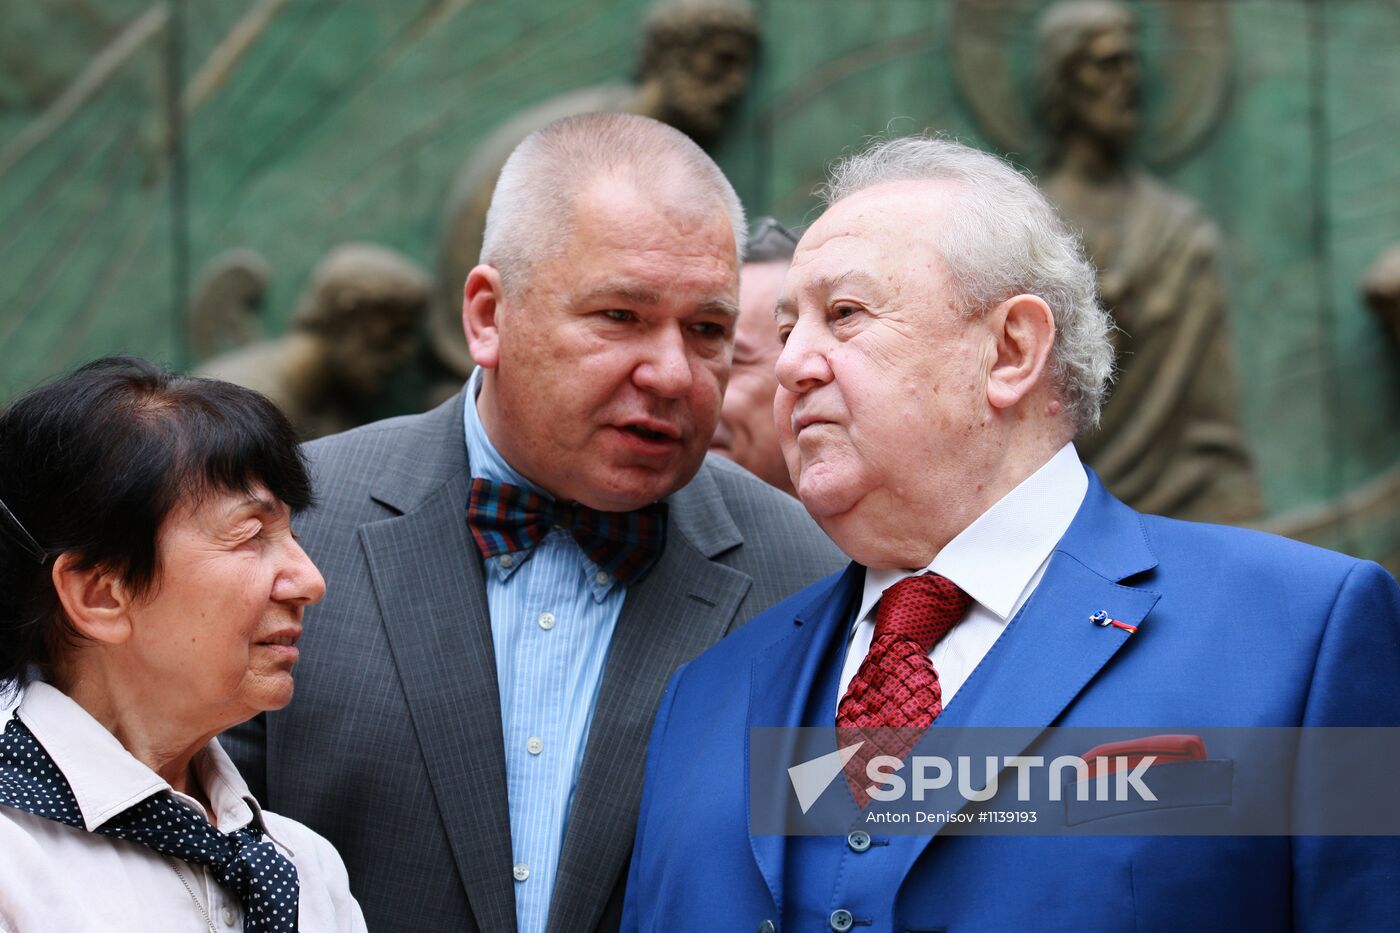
x=1104 y=620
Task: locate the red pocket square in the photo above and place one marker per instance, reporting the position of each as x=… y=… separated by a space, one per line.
x=1166 y=749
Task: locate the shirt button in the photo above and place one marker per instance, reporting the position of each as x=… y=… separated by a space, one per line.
x=228 y=917
x=507 y=561
x=841 y=920
x=767 y=927
x=546 y=620
x=521 y=871
x=602 y=578
x=534 y=745
x=859 y=841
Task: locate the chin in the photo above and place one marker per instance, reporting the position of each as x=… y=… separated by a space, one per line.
x=278 y=701
x=274 y=695
x=827 y=495
x=641 y=486
x=627 y=498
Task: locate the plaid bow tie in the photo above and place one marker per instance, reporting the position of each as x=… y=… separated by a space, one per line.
x=505 y=518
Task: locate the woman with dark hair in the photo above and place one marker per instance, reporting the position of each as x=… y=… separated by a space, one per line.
x=151 y=596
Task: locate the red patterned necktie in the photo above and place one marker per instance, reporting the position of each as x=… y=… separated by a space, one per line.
x=894 y=696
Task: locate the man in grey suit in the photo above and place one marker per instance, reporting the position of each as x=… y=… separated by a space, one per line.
x=472 y=709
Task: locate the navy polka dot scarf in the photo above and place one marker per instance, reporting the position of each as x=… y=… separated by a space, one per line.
x=248 y=867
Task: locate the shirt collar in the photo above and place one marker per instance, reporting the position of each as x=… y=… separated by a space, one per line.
x=995 y=558
x=107 y=780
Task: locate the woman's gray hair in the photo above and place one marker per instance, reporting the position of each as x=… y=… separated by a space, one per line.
x=1003 y=239
x=532 y=207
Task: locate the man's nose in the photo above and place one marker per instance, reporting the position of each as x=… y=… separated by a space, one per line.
x=802 y=364
x=665 y=366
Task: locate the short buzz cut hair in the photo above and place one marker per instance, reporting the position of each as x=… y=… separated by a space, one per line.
x=1003 y=239
x=530 y=217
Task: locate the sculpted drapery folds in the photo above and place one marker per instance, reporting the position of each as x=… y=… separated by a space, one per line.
x=1170 y=441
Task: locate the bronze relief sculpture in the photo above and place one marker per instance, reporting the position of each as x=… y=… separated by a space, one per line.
x=1170 y=441
x=355 y=324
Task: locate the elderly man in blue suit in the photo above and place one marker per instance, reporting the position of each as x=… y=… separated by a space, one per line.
x=943 y=346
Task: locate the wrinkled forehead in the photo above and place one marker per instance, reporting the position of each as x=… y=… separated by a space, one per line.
x=888 y=232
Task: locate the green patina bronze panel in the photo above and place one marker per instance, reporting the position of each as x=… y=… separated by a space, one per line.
x=292 y=126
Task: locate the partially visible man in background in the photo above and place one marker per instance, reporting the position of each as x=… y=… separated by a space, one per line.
x=746 y=433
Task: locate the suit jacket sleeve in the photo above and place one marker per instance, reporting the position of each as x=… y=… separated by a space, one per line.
x=1353 y=882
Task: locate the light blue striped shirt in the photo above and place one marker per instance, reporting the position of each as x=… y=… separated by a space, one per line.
x=553 y=612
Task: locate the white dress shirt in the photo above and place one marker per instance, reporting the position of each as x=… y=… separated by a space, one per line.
x=998 y=560
x=57 y=877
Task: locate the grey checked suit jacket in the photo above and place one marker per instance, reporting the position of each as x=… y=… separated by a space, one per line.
x=392 y=748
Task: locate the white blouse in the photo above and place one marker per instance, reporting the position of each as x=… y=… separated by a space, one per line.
x=57 y=877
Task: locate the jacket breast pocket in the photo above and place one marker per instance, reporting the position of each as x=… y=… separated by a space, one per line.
x=1174 y=798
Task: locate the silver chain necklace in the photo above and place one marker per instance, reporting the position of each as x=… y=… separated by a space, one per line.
x=183 y=880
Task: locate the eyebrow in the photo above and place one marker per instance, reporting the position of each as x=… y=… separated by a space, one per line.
x=650 y=297
x=264 y=504
x=721 y=307
x=824 y=285
x=636 y=294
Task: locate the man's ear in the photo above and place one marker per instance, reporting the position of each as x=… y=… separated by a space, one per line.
x=482 y=299
x=1024 y=330
x=96 y=601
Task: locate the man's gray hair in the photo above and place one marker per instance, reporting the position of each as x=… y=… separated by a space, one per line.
x=532 y=207
x=1002 y=239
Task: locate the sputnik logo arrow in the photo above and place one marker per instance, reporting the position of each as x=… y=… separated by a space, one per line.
x=811 y=778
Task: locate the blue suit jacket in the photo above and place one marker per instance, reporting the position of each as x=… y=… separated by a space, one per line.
x=1235 y=628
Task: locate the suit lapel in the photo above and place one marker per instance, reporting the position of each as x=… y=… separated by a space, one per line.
x=685 y=604
x=782 y=678
x=428 y=581
x=1051 y=651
